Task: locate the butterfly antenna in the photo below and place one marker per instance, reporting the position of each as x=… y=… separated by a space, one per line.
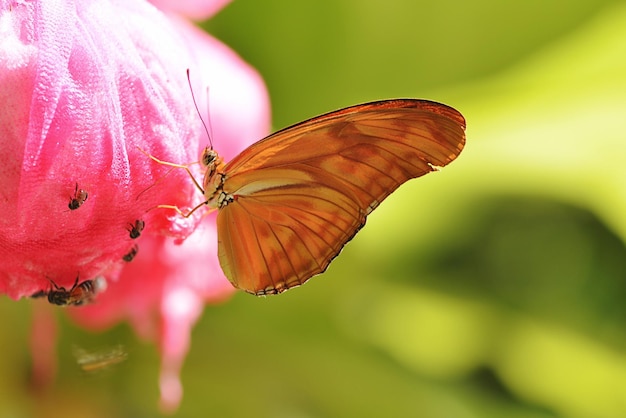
x=208 y=113
x=208 y=129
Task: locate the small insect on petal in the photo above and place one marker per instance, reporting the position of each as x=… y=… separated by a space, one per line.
x=128 y=257
x=135 y=230
x=76 y=201
x=79 y=294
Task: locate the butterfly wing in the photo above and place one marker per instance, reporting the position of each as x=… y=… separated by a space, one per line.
x=302 y=193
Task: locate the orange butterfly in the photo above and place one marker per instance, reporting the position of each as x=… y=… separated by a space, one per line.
x=289 y=203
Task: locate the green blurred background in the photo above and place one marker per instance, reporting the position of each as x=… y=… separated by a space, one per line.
x=496 y=288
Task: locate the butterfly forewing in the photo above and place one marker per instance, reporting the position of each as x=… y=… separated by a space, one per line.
x=302 y=193
x=439 y=129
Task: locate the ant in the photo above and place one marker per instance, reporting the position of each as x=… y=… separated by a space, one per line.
x=128 y=257
x=135 y=230
x=78 y=295
x=78 y=199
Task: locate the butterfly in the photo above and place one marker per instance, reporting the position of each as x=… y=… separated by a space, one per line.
x=289 y=203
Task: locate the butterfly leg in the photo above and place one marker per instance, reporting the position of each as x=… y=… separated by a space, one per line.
x=167 y=163
x=180 y=212
x=186 y=168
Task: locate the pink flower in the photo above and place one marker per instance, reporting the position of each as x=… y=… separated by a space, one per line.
x=84 y=86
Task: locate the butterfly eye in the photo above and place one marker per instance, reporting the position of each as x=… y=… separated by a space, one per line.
x=208 y=157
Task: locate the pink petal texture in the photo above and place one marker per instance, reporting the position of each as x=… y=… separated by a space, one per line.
x=82 y=99
x=193 y=9
x=86 y=86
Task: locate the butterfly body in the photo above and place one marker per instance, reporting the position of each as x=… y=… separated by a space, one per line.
x=289 y=203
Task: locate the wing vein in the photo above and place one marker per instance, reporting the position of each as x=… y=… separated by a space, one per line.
x=260 y=249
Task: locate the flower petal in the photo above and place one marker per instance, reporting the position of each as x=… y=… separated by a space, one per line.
x=81 y=99
x=193 y=9
x=84 y=102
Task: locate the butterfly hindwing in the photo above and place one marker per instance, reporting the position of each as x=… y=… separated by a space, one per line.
x=287 y=234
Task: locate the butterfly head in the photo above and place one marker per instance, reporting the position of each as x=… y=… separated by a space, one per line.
x=213 y=176
x=213 y=164
x=209 y=157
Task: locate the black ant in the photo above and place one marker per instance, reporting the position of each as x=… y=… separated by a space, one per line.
x=78 y=199
x=78 y=295
x=135 y=230
x=128 y=257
